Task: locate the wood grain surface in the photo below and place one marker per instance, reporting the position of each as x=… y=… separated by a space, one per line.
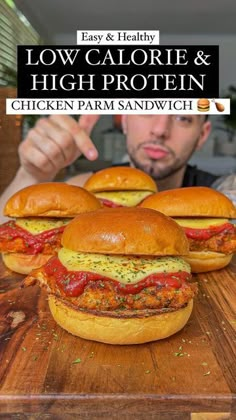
x=47 y=373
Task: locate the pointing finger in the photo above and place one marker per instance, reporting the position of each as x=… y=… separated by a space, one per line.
x=85 y=144
x=87 y=122
x=81 y=138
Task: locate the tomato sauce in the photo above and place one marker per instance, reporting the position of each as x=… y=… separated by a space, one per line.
x=72 y=283
x=33 y=243
x=108 y=203
x=204 y=234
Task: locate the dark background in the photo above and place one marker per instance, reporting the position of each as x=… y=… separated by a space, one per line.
x=80 y=66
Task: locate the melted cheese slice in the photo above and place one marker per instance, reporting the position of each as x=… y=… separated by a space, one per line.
x=200 y=223
x=38 y=225
x=124 y=198
x=122 y=268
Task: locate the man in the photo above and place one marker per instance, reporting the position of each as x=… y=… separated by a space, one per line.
x=161 y=145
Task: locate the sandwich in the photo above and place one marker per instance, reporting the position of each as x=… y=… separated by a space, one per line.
x=121 y=186
x=205 y=215
x=119 y=277
x=39 y=215
x=203 y=105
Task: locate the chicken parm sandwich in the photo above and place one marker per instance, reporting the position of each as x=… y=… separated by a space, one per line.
x=40 y=214
x=119 y=277
x=204 y=214
x=121 y=186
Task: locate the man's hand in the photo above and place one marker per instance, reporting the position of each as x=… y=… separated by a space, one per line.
x=55 y=143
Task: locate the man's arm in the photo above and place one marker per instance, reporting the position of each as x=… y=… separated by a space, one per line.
x=53 y=144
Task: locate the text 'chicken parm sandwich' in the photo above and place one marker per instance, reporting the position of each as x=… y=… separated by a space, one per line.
x=41 y=213
x=204 y=214
x=121 y=186
x=119 y=277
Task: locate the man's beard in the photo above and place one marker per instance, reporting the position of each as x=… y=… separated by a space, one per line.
x=151 y=166
x=151 y=169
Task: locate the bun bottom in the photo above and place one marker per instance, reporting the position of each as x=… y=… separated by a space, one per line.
x=201 y=262
x=118 y=330
x=23 y=263
x=203 y=109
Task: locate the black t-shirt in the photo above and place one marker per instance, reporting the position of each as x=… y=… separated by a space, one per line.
x=193 y=177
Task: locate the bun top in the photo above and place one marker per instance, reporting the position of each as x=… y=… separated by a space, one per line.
x=120 y=178
x=203 y=102
x=130 y=231
x=191 y=202
x=52 y=199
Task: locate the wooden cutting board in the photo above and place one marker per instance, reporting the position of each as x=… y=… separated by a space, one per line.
x=47 y=373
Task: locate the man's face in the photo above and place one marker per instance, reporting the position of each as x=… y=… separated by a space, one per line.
x=162 y=144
